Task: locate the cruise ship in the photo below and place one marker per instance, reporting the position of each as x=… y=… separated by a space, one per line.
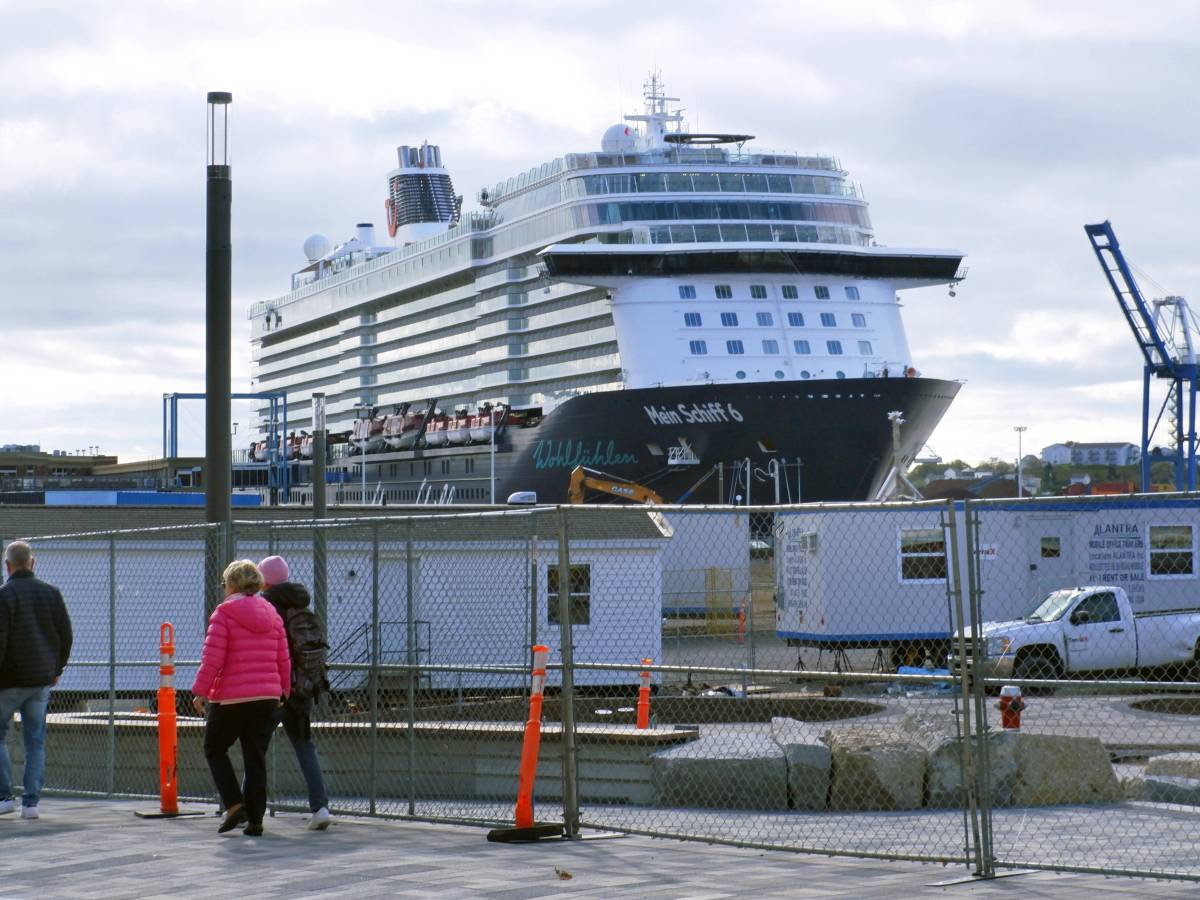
x=675 y=311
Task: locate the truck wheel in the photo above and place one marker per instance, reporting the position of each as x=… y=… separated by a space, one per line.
x=1038 y=665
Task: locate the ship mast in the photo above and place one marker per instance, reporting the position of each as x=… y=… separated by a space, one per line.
x=656 y=116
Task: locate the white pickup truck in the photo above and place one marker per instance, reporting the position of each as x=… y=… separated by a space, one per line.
x=1089 y=629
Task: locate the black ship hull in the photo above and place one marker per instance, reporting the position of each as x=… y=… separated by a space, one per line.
x=805 y=441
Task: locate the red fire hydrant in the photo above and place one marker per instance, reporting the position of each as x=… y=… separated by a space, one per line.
x=1011 y=705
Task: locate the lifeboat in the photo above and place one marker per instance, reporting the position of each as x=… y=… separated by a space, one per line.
x=412 y=427
x=437 y=432
x=482 y=424
x=367 y=435
x=458 y=428
x=306 y=447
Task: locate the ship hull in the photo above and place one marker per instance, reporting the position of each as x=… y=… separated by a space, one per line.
x=830 y=440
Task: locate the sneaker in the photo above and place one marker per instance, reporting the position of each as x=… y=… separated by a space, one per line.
x=7 y=806
x=29 y=812
x=320 y=820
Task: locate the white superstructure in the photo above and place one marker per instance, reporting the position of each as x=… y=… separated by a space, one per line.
x=588 y=273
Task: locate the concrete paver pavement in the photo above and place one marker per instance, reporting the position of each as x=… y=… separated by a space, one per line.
x=99 y=849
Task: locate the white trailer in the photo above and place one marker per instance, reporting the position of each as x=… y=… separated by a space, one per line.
x=880 y=576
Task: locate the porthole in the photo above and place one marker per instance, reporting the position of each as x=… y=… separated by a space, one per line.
x=779 y=373
x=841 y=374
x=804 y=373
x=740 y=373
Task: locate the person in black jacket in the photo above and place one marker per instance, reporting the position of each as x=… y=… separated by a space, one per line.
x=297 y=711
x=35 y=643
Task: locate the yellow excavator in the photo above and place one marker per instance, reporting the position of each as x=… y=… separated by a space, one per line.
x=583 y=478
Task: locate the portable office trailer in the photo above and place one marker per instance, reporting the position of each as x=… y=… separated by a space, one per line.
x=483 y=592
x=877 y=576
x=706 y=563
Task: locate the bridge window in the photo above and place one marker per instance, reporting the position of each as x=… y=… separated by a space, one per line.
x=821 y=292
x=734 y=348
x=790 y=292
x=1172 y=551
x=764 y=319
x=770 y=347
x=801 y=347
x=729 y=319
x=834 y=348
x=758 y=292
x=580 y=596
x=828 y=320
x=852 y=293
x=796 y=320
x=698 y=348
x=724 y=292
x=692 y=320
x=687 y=292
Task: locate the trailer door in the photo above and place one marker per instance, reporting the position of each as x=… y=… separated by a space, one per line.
x=1049 y=555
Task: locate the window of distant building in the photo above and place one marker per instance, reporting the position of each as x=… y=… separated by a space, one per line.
x=758 y=292
x=764 y=319
x=687 y=292
x=790 y=292
x=829 y=320
x=864 y=348
x=692 y=320
x=859 y=320
x=698 y=348
x=851 y=293
x=801 y=347
x=796 y=320
x=724 y=292
x=821 y=292
x=729 y=319
x=834 y=348
x=734 y=348
x=770 y=347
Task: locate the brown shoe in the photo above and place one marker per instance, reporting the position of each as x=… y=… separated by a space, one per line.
x=234 y=816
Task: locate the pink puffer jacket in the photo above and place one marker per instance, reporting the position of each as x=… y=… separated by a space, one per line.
x=245 y=652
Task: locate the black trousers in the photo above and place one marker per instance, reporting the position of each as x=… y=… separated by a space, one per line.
x=251 y=724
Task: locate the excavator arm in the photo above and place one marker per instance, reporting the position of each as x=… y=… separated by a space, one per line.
x=583 y=478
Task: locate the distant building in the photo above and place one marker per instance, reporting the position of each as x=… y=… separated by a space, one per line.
x=1080 y=454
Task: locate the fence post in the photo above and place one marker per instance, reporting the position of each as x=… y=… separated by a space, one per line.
x=411 y=660
x=112 y=664
x=978 y=696
x=965 y=680
x=374 y=681
x=567 y=693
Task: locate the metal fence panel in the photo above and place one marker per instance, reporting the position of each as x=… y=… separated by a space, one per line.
x=1100 y=598
x=778 y=718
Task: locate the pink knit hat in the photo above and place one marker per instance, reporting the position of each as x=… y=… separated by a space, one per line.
x=274 y=570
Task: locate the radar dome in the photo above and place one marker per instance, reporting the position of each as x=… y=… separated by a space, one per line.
x=619 y=138
x=317 y=246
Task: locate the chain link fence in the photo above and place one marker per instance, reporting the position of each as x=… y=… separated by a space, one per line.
x=840 y=679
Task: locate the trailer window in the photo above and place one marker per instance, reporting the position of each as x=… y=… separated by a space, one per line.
x=1172 y=551
x=581 y=594
x=1051 y=547
x=922 y=554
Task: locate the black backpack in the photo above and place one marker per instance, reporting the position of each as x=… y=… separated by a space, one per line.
x=306 y=643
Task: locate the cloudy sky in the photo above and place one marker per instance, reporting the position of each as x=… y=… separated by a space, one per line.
x=997 y=129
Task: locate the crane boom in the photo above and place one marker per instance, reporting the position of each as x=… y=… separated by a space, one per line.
x=1165 y=337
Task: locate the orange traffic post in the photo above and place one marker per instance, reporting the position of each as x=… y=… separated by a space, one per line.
x=168 y=746
x=643 y=707
x=525 y=828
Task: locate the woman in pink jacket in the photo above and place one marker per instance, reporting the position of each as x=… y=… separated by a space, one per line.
x=244 y=670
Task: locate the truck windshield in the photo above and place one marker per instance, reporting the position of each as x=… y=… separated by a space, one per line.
x=1052 y=607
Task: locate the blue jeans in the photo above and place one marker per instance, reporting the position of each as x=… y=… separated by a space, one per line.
x=32 y=702
x=296 y=716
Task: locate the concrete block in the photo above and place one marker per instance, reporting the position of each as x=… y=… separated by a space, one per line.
x=874 y=767
x=1180 y=765
x=1054 y=769
x=1171 y=789
x=809 y=762
x=724 y=769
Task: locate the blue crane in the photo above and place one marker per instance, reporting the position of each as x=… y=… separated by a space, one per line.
x=1167 y=332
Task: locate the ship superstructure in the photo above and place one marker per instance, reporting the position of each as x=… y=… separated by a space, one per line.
x=679 y=275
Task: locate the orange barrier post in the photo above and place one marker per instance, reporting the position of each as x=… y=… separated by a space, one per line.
x=643 y=707
x=741 y=624
x=167 y=738
x=526 y=829
x=168 y=747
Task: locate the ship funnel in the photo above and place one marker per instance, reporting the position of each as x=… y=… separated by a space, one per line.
x=365 y=232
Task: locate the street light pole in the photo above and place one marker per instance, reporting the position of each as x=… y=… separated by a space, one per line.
x=1020 y=430
x=365 y=413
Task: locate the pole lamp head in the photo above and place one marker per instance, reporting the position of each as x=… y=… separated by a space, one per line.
x=219 y=128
